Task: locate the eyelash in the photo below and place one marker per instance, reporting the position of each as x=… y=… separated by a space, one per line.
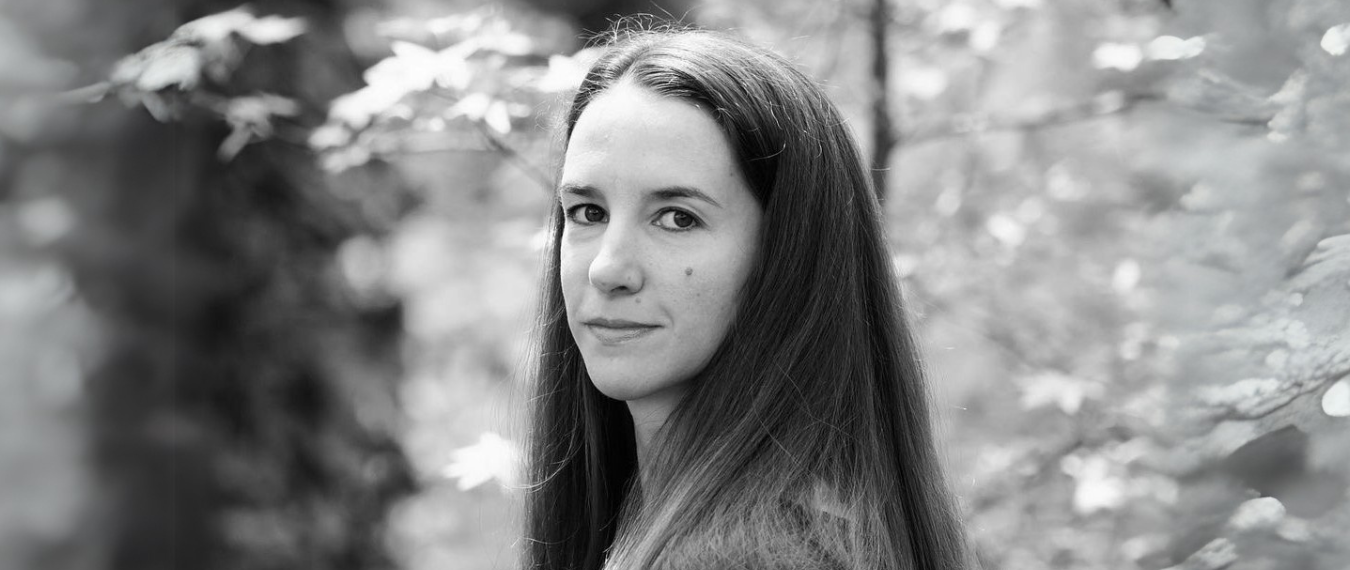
x=570 y=214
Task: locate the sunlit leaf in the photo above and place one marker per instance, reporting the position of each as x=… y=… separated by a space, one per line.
x=1336 y=41
x=345 y=158
x=1098 y=483
x=1257 y=514
x=216 y=27
x=1006 y=229
x=272 y=29
x=358 y=108
x=1216 y=554
x=492 y=457
x=956 y=17
x=565 y=73
x=510 y=43
x=239 y=137
x=1062 y=391
x=498 y=117
x=1126 y=276
x=329 y=136
x=985 y=36
x=260 y=108
x=1123 y=57
x=473 y=106
x=923 y=82
x=412 y=52
x=163 y=66
x=250 y=118
x=409 y=70
x=1336 y=401
x=1173 y=48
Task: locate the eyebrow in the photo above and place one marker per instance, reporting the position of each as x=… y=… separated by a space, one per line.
x=663 y=193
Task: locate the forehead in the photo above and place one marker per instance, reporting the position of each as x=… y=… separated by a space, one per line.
x=631 y=136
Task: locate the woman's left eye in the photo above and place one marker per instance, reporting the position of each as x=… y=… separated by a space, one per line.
x=677 y=220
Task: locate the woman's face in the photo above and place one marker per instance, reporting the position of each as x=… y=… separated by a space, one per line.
x=660 y=234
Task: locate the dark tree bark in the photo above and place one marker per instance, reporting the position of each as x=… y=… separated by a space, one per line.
x=883 y=130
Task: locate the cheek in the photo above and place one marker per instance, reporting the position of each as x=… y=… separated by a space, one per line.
x=573 y=269
x=709 y=290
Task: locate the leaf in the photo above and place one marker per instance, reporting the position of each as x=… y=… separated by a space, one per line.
x=1337 y=39
x=473 y=106
x=565 y=73
x=87 y=94
x=1123 y=57
x=493 y=457
x=170 y=66
x=498 y=117
x=358 y=108
x=1065 y=392
x=412 y=52
x=345 y=158
x=1257 y=514
x=216 y=27
x=1329 y=261
x=272 y=29
x=510 y=43
x=250 y=118
x=1006 y=230
x=1126 y=276
x=1218 y=553
x=1336 y=401
x=924 y=82
x=1099 y=485
x=239 y=137
x=158 y=108
x=329 y=136
x=1174 y=48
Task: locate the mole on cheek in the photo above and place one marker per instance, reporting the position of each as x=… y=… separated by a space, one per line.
x=689 y=271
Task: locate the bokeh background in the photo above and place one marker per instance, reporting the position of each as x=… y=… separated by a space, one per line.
x=267 y=271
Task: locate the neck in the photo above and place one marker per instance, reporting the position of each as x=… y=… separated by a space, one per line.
x=649 y=416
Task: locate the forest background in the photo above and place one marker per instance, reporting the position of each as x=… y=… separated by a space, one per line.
x=267 y=272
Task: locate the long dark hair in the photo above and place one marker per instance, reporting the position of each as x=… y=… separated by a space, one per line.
x=806 y=441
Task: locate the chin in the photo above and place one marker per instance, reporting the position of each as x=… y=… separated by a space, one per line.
x=622 y=386
x=628 y=383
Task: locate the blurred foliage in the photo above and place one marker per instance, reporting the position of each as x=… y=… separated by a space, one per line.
x=1122 y=228
x=193 y=386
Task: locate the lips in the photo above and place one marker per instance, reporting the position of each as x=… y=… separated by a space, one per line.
x=617 y=324
x=617 y=331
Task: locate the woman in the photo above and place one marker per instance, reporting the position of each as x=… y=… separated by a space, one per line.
x=727 y=379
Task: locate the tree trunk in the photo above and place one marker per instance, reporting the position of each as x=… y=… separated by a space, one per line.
x=883 y=133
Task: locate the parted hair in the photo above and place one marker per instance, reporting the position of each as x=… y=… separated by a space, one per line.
x=807 y=441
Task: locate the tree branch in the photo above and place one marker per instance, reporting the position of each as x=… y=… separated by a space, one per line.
x=966 y=125
x=513 y=155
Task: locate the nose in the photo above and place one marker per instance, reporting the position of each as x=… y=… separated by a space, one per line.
x=616 y=268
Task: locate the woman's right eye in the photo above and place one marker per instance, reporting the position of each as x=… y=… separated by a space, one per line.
x=586 y=214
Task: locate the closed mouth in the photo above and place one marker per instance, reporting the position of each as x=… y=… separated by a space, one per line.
x=617 y=335
x=618 y=324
